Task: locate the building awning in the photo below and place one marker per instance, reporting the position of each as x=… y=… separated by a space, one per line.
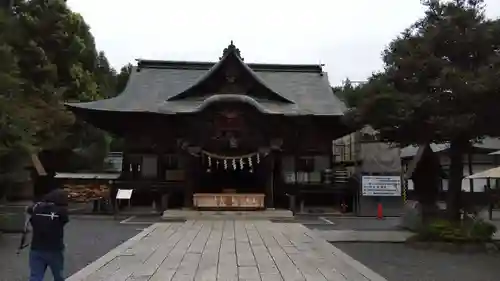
x=493 y=173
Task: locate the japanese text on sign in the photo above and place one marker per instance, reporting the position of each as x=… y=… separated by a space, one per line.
x=381 y=186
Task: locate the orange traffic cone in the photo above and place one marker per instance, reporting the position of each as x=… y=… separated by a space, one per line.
x=380 y=213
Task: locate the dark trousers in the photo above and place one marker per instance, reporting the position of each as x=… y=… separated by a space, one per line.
x=40 y=260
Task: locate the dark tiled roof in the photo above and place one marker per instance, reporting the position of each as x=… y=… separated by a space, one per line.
x=148 y=90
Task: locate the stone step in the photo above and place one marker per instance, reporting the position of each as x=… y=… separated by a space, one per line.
x=227 y=215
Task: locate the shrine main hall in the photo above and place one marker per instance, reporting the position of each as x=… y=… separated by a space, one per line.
x=222 y=135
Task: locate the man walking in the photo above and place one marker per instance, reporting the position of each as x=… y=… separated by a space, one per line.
x=48 y=219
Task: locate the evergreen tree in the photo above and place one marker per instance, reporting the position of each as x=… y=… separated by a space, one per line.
x=440 y=84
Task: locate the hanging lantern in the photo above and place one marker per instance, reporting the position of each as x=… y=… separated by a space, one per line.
x=234 y=164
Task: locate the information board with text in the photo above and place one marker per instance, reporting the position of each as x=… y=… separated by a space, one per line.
x=381 y=186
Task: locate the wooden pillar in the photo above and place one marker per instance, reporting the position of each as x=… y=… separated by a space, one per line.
x=269 y=199
x=296 y=147
x=188 y=165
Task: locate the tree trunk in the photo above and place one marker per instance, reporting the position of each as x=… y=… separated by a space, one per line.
x=427 y=179
x=453 y=200
x=426 y=187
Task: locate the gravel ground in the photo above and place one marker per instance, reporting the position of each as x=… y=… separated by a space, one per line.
x=396 y=262
x=86 y=239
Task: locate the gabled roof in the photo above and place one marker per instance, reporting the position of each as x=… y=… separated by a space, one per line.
x=231 y=55
x=158 y=86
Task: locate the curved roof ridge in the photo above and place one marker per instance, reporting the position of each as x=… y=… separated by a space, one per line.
x=231 y=98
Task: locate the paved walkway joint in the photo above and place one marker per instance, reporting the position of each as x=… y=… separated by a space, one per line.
x=226 y=251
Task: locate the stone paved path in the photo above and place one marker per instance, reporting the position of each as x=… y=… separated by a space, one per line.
x=226 y=251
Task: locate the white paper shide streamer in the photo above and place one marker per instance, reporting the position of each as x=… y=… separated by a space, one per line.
x=250 y=165
x=228 y=162
x=209 y=164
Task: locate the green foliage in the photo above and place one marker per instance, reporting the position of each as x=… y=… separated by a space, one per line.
x=17 y=134
x=440 y=79
x=122 y=78
x=474 y=231
x=350 y=94
x=439 y=84
x=106 y=77
x=49 y=57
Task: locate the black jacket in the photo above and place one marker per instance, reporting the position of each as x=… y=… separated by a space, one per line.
x=48 y=219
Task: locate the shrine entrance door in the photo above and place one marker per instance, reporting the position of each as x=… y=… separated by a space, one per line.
x=231 y=183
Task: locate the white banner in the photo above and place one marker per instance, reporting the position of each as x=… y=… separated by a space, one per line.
x=381 y=186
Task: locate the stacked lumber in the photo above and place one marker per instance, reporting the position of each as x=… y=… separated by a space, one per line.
x=85 y=193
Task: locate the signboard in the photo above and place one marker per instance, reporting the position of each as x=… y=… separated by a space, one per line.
x=124 y=194
x=381 y=186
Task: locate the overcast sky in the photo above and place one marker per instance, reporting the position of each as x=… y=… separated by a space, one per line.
x=345 y=35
